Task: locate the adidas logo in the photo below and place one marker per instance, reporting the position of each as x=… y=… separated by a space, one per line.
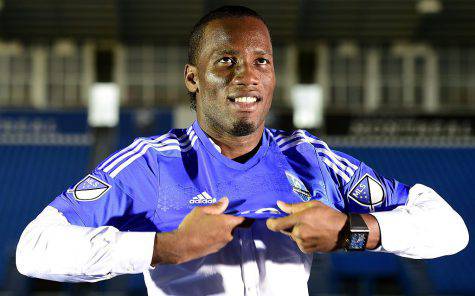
x=202 y=198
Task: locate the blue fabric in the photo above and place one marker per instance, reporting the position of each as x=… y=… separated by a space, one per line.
x=155 y=182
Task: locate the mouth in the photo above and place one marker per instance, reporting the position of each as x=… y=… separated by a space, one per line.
x=245 y=103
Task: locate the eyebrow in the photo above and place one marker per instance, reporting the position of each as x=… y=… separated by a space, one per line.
x=235 y=52
x=263 y=52
x=227 y=51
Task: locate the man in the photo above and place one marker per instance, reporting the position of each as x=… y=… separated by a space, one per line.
x=153 y=207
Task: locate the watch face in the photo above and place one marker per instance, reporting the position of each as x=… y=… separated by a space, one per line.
x=358 y=241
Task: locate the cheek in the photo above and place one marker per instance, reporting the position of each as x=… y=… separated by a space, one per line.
x=216 y=81
x=268 y=81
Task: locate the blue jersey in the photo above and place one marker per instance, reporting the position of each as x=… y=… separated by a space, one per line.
x=155 y=182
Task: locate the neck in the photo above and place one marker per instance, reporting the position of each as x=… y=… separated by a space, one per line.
x=233 y=146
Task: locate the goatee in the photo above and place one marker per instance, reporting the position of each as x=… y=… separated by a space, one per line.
x=242 y=128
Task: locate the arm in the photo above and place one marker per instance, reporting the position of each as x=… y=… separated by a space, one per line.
x=426 y=227
x=76 y=238
x=412 y=222
x=316 y=227
x=203 y=231
x=53 y=249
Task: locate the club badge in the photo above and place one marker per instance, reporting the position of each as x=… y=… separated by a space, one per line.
x=90 y=188
x=298 y=187
x=367 y=192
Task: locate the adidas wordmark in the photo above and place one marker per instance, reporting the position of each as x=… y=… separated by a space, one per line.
x=203 y=198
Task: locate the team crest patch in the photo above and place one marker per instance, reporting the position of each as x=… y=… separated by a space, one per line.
x=367 y=192
x=90 y=188
x=298 y=187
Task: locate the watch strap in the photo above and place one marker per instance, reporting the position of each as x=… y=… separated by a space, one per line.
x=357 y=233
x=357 y=222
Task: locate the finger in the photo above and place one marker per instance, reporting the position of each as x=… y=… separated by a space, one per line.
x=234 y=221
x=279 y=224
x=229 y=219
x=296 y=207
x=295 y=232
x=302 y=249
x=308 y=244
x=307 y=250
x=310 y=248
x=218 y=207
x=305 y=247
x=287 y=232
x=298 y=241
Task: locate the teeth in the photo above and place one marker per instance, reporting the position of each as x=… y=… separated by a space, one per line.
x=246 y=99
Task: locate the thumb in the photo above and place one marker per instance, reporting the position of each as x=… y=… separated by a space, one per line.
x=296 y=207
x=218 y=207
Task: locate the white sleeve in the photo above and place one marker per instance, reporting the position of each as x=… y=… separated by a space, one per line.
x=51 y=248
x=426 y=227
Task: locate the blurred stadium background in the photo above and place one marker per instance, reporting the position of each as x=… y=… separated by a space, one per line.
x=390 y=82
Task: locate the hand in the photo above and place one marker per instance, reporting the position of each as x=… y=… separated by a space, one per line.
x=203 y=231
x=314 y=226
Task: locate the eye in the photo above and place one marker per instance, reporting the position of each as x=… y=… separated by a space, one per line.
x=226 y=60
x=262 y=61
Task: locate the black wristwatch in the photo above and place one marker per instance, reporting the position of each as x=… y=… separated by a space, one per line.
x=356 y=233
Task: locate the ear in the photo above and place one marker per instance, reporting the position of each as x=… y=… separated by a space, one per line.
x=191 y=78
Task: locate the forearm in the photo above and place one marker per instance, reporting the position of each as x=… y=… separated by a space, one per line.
x=374 y=238
x=426 y=227
x=166 y=249
x=51 y=248
x=204 y=230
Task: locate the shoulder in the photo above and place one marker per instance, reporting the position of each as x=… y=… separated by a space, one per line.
x=302 y=141
x=289 y=139
x=146 y=152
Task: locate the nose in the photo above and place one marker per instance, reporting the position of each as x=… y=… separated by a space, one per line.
x=245 y=75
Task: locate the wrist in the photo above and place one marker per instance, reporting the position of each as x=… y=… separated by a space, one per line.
x=367 y=228
x=356 y=233
x=374 y=238
x=166 y=249
x=342 y=234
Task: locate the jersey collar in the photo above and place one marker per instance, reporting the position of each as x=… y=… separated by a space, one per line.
x=212 y=149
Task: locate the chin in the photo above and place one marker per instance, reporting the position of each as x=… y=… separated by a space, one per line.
x=243 y=128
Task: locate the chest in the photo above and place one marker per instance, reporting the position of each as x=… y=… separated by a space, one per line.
x=252 y=192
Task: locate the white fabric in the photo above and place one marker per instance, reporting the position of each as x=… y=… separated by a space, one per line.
x=426 y=227
x=51 y=248
x=256 y=262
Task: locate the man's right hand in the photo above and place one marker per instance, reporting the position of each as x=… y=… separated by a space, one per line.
x=204 y=230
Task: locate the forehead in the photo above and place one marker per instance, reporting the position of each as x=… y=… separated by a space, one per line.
x=242 y=34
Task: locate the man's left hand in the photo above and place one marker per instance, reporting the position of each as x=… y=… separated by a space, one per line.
x=314 y=226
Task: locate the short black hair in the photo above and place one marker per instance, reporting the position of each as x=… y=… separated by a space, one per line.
x=194 y=41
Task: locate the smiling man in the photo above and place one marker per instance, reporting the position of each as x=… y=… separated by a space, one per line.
x=232 y=73
x=155 y=206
